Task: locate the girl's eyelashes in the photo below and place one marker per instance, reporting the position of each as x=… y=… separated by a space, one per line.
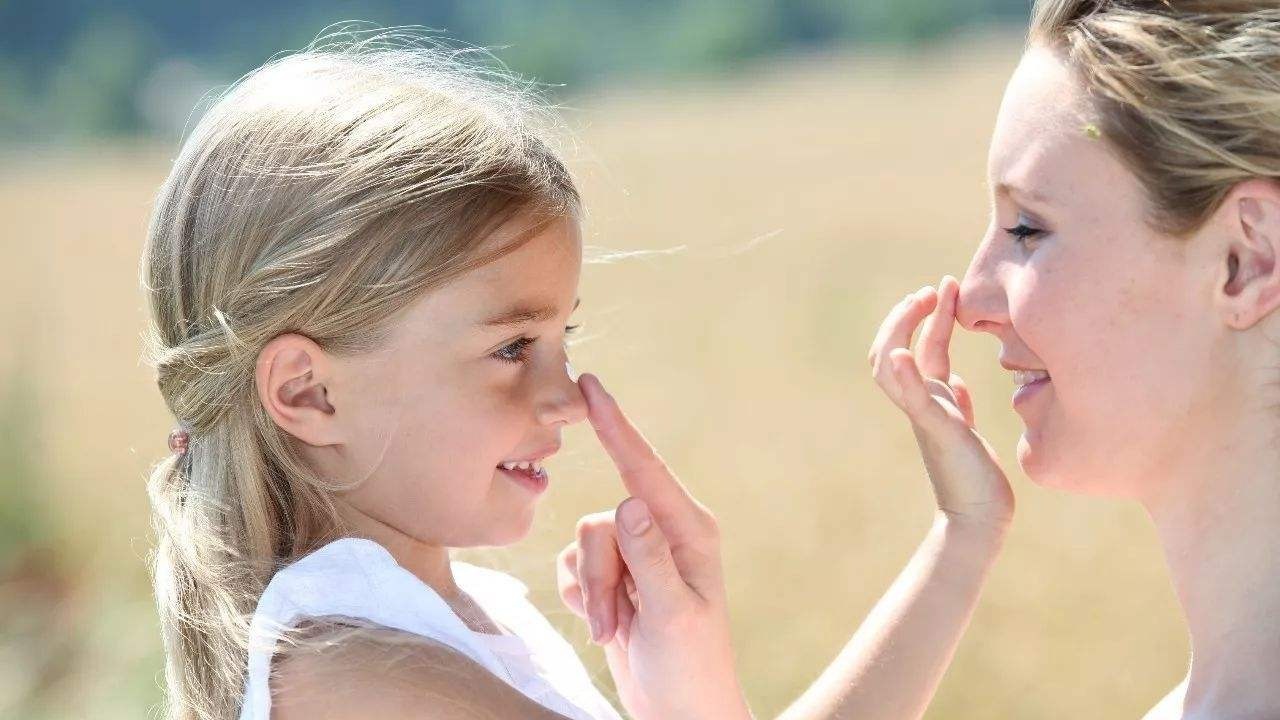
x=515 y=351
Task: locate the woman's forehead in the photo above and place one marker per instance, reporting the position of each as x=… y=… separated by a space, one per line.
x=1046 y=144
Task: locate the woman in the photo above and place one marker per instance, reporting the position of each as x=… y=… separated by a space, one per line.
x=1131 y=273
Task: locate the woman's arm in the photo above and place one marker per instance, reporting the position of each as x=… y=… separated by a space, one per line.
x=892 y=665
x=894 y=662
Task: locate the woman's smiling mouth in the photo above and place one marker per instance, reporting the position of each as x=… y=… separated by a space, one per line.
x=1029 y=381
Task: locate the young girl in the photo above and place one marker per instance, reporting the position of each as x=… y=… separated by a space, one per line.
x=361 y=271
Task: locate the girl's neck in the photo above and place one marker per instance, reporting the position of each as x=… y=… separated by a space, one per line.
x=1218 y=517
x=429 y=563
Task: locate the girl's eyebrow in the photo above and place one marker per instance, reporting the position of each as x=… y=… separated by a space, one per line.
x=521 y=314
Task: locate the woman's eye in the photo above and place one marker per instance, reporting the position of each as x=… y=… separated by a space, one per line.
x=1023 y=231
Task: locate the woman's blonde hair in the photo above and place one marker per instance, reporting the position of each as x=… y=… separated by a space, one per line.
x=320 y=194
x=1186 y=91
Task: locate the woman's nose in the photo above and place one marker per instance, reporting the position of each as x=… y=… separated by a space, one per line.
x=561 y=402
x=983 y=305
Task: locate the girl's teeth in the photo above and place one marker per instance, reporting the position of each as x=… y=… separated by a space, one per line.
x=527 y=465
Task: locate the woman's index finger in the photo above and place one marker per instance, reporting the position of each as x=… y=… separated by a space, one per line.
x=935 y=337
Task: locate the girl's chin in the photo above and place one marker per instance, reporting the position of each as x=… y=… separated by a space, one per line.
x=513 y=530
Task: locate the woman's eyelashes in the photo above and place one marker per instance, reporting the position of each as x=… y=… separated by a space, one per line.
x=516 y=351
x=1025 y=230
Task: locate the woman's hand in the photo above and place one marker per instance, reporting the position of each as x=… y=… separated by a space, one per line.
x=648 y=579
x=970 y=487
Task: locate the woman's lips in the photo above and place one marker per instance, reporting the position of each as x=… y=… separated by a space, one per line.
x=1026 y=392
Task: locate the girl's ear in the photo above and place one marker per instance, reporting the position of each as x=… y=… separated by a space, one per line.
x=1249 y=270
x=291 y=374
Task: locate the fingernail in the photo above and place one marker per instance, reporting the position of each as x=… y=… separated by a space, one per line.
x=596 y=633
x=636 y=520
x=599 y=384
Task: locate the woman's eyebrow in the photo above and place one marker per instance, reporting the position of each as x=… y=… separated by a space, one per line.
x=521 y=314
x=1010 y=189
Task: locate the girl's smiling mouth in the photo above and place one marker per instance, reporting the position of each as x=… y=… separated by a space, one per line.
x=526 y=475
x=530 y=472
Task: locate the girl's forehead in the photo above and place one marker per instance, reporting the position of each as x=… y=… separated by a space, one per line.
x=532 y=283
x=545 y=245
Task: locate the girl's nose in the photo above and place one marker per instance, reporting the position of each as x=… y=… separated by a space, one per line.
x=562 y=402
x=983 y=305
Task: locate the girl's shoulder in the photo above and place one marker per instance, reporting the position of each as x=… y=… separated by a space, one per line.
x=405 y=634
x=351 y=582
x=359 y=579
x=378 y=672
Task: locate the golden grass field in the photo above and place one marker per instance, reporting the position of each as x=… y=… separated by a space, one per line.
x=805 y=197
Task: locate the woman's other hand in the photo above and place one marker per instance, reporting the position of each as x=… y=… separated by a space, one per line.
x=968 y=482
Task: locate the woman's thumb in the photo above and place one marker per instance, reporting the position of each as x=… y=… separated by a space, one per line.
x=648 y=556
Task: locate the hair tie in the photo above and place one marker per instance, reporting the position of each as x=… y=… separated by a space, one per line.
x=178 y=440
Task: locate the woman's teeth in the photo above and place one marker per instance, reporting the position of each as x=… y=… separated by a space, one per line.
x=1026 y=377
x=528 y=465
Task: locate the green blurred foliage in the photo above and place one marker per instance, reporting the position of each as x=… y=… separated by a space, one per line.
x=75 y=68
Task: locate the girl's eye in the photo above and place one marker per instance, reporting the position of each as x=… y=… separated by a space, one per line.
x=514 y=351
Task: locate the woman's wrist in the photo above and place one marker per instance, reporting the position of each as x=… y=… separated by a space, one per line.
x=977 y=539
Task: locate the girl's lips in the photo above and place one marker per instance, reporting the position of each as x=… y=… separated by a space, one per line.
x=1025 y=393
x=534 y=481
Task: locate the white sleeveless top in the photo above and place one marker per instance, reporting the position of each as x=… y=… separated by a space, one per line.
x=359 y=579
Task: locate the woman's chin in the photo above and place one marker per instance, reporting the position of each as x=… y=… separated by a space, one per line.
x=1067 y=471
x=1032 y=461
x=1036 y=459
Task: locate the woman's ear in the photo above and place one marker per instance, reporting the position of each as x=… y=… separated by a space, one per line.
x=1249 y=285
x=291 y=374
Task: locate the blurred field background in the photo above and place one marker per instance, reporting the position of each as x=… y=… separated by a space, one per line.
x=790 y=197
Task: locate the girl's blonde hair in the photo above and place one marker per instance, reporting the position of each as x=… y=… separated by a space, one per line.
x=320 y=194
x=1186 y=91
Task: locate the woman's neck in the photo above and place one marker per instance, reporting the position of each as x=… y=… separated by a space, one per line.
x=429 y=563
x=1218 y=517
